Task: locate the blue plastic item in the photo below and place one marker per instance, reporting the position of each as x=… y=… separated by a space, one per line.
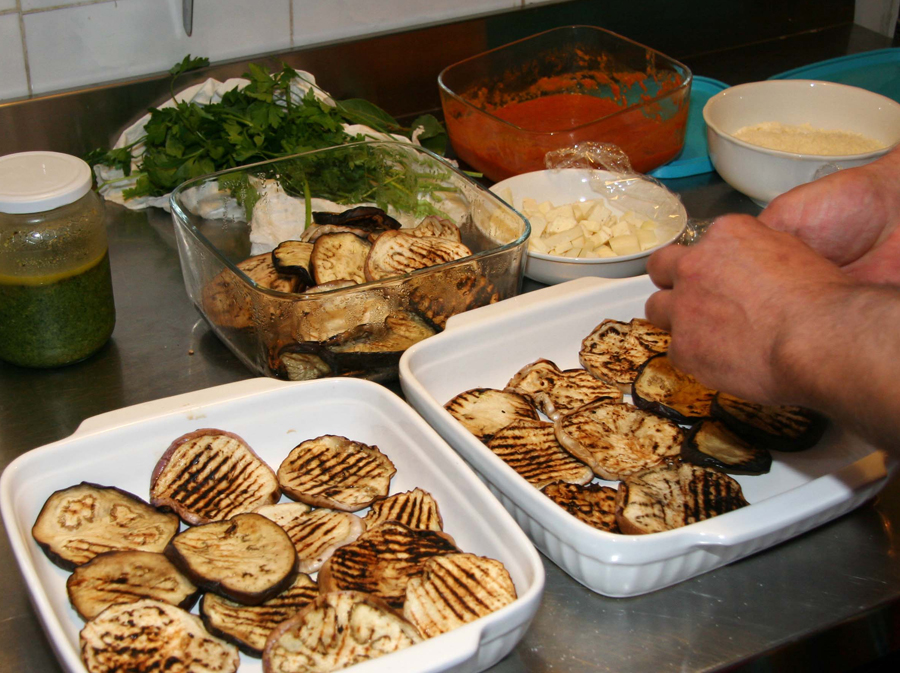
x=877 y=71
x=694 y=157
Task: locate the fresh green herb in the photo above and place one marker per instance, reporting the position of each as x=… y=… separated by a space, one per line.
x=257 y=123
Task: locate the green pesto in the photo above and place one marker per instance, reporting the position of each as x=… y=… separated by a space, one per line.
x=57 y=323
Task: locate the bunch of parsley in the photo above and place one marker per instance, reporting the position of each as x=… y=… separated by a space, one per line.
x=256 y=123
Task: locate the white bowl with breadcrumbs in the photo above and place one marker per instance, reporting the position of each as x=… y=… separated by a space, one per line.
x=763 y=173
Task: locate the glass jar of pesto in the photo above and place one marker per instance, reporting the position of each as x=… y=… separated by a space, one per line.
x=56 y=298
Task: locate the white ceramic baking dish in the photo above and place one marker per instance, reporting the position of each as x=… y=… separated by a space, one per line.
x=486 y=347
x=120 y=448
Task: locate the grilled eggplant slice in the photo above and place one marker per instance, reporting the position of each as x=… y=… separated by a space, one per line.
x=556 y=392
x=663 y=389
x=440 y=296
x=594 y=504
x=315 y=534
x=672 y=495
x=614 y=351
x=396 y=253
x=292 y=258
x=247 y=558
x=336 y=472
x=369 y=218
x=226 y=299
x=80 y=522
x=339 y=257
x=303 y=362
x=378 y=345
x=616 y=439
x=436 y=226
x=485 y=411
x=416 y=509
x=456 y=589
x=248 y=626
x=153 y=636
x=532 y=450
x=335 y=631
x=711 y=444
x=383 y=560
x=777 y=428
x=324 y=317
x=127 y=577
x=195 y=477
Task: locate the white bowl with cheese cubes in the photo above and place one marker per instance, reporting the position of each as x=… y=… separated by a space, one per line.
x=588 y=222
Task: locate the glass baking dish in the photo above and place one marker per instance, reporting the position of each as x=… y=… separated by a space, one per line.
x=227 y=218
x=507 y=107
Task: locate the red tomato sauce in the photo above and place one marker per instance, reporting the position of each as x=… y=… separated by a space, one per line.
x=557 y=112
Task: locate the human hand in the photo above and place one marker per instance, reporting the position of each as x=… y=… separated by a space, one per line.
x=851 y=217
x=730 y=302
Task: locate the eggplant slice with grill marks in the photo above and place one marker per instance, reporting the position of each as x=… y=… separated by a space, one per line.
x=335 y=631
x=436 y=226
x=292 y=258
x=616 y=439
x=396 y=253
x=80 y=522
x=368 y=218
x=532 y=450
x=614 y=350
x=594 y=504
x=485 y=411
x=556 y=392
x=672 y=495
x=777 y=428
x=153 y=636
x=383 y=560
x=711 y=444
x=663 y=389
x=339 y=257
x=127 y=577
x=455 y=589
x=416 y=509
x=440 y=296
x=336 y=472
x=248 y=626
x=211 y=475
x=247 y=558
x=315 y=534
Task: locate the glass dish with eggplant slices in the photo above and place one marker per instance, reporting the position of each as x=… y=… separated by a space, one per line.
x=333 y=262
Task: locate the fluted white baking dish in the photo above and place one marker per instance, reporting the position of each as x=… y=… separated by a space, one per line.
x=120 y=449
x=486 y=347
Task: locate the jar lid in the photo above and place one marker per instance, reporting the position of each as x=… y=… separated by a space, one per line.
x=34 y=182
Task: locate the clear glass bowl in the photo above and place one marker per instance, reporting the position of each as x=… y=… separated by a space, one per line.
x=338 y=332
x=624 y=93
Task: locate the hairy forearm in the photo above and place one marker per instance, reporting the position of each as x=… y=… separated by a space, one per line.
x=841 y=355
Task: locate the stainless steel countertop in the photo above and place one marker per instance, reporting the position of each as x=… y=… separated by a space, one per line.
x=827 y=600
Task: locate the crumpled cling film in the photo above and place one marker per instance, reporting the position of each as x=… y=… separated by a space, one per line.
x=625 y=188
x=112 y=181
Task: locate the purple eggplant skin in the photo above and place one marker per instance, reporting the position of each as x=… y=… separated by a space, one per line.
x=814 y=424
x=758 y=462
x=361 y=217
x=661 y=408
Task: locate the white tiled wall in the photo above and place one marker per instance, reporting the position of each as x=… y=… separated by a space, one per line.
x=54 y=45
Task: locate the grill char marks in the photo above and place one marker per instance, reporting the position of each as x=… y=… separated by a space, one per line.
x=396 y=253
x=617 y=440
x=532 y=450
x=614 y=350
x=211 y=475
x=674 y=495
x=333 y=471
x=248 y=626
x=335 y=631
x=153 y=636
x=315 y=534
x=485 y=411
x=383 y=560
x=416 y=509
x=594 y=504
x=456 y=589
x=779 y=428
x=556 y=392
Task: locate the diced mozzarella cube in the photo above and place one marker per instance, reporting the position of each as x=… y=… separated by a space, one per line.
x=545 y=207
x=538 y=225
x=590 y=226
x=649 y=224
x=621 y=228
x=556 y=225
x=529 y=205
x=537 y=245
x=563 y=212
x=625 y=244
x=647 y=238
x=605 y=251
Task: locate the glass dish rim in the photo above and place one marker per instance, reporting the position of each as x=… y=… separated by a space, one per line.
x=183 y=219
x=689 y=77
